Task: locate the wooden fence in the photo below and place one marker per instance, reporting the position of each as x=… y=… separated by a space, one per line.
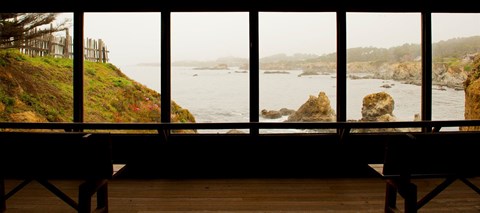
x=59 y=46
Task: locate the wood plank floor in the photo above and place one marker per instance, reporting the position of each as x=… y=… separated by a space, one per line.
x=244 y=195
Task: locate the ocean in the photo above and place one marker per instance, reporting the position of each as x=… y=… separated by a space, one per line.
x=223 y=95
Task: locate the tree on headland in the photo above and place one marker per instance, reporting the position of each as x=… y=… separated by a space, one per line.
x=17 y=27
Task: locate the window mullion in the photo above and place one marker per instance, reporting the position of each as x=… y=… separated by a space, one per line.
x=426 y=66
x=78 y=58
x=341 y=66
x=165 y=66
x=254 y=69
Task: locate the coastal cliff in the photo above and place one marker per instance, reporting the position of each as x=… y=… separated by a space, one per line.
x=40 y=89
x=472 y=93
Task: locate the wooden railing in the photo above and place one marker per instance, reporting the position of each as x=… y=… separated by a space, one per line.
x=341 y=127
x=62 y=47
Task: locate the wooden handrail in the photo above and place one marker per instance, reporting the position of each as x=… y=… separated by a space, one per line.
x=241 y=125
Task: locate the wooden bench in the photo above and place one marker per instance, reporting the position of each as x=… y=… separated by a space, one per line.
x=448 y=155
x=67 y=155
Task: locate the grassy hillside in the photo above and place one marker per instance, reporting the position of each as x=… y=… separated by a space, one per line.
x=40 y=89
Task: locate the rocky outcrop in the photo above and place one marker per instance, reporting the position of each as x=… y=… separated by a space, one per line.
x=446 y=74
x=406 y=71
x=276 y=72
x=244 y=67
x=378 y=107
x=315 y=109
x=271 y=114
x=310 y=67
x=472 y=94
x=365 y=67
x=216 y=67
x=285 y=111
x=452 y=76
x=235 y=131
x=274 y=114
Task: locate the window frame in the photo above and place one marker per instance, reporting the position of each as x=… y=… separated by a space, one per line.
x=341 y=80
x=253 y=8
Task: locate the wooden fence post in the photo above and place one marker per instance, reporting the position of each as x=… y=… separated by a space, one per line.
x=95 y=50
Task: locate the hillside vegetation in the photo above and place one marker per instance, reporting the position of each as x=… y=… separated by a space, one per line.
x=472 y=94
x=445 y=51
x=40 y=89
x=451 y=48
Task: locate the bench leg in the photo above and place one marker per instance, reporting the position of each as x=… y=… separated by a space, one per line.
x=390 y=198
x=3 y=204
x=404 y=188
x=84 y=198
x=87 y=190
x=57 y=192
x=102 y=198
x=410 y=196
x=471 y=185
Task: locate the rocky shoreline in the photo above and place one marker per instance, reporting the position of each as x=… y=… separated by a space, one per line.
x=445 y=74
x=376 y=107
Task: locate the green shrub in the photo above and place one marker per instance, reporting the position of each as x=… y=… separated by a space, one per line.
x=29 y=100
x=90 y=71
x=7 y=55
x=467 y=68
x=8 y=102
x=120 y=82
x=3 y=62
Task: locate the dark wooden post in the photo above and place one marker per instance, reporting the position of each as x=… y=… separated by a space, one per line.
x=78 y=57
x=254 y=70
x=66 y=47
x=341 y=66
x=3 y=205
x=426 y=67
x=104 y=57
x=165 y=67
x=50 y=47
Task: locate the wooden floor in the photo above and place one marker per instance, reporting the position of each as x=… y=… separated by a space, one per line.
x=244 y=195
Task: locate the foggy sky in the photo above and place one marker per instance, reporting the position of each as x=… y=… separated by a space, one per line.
x=134 y=38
